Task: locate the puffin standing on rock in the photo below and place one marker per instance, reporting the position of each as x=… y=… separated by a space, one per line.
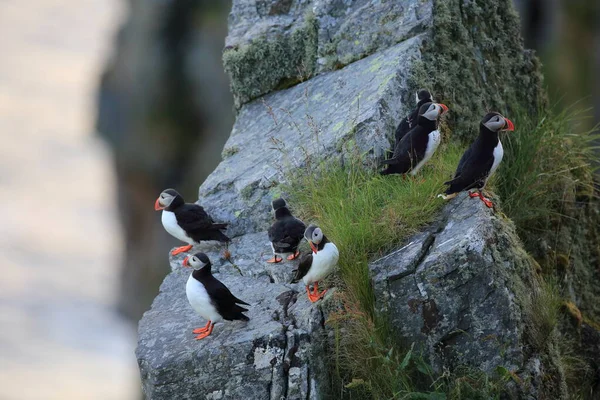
x=286 y=233
x=318 y=264
x=187 y=222
x=419 y=144
x=481 y=160
x=422 y=96
x=209 y=297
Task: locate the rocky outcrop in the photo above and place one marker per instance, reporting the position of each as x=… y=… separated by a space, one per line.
x=278 y=354
x=359 y=63
x=274 y=44
x=460 y=289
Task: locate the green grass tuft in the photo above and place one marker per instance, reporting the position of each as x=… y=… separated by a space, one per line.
x=366 y=215
x=547 y=167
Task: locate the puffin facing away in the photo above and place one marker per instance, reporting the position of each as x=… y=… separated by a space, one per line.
x=481 y=160
x=209 y=297
x=187 y=222
x=286 y=233
x=318 y=264
x=419 y=144
x=422 y=96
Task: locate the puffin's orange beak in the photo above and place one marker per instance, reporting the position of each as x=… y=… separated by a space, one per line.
x=510 y=127
x=157 y=205
x=185 y=262
x=444 y=108
x=313 y=247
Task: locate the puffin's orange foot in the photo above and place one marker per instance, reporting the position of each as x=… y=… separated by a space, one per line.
x=206 y=333
x=275 y=260
x=181 y=249
x=475 y=194
x=203 y=329
x=313 y=298
x=293 y=256
x=310 y=295
x=487 y=202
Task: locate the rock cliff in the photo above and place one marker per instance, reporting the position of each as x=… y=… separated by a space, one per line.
x=312 y=79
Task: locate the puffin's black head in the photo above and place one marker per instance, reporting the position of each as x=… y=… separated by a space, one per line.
x=279 y=203
x=423 y=94
x=314 y=235
x=168 y=200
x=197 y=261
x=495 y=122
x=432 y=111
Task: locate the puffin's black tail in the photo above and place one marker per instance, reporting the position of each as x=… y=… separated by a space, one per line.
x=389 y=161
x=220 y=236
x=242 y=317
x=238 y=301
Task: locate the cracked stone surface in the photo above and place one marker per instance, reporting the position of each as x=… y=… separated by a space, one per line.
x=458 y=288
x=359 y=105
x=344 y=31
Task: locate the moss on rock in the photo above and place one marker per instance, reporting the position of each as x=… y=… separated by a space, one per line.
x=475 y=62
x=266 y=63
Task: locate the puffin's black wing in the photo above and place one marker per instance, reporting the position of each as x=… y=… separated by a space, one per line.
x=225 y=302
x=287 y=233
x=303 y=267
x=401 y=130
x=471 y=172
x=198 y=224
x=408 y=152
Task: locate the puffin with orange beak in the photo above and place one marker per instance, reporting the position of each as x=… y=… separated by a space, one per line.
x=481 y=160
x=318 y=264
x=209 y=297
x=418 y=145
x=187 y=222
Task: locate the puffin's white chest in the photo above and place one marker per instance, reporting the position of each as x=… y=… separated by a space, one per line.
x=200 y=301
x=322 y=264
x=170 y=224
x=432 y=144
x=498 y=154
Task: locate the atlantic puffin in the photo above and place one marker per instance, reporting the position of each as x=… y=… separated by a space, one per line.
x=286 y=233
x=419 y=144
x=422 y=96
x=187 y=222
x=481 y=160
x=318 y=264
x=209 y=297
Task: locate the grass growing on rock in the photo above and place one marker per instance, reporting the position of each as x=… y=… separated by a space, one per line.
x=366 y=215
x=547 y=168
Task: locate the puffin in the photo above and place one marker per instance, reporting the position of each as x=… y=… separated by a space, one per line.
x=481 y=159
x=318 y=264
x=419 y=144
x=286 y=233
x=209 y=297
x=422 y=96
x=187 y=222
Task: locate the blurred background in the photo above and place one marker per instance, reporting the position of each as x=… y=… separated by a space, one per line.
x=103 y=104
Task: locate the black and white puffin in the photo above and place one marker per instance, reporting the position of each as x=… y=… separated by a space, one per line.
x=422 y=96
x=481 y=160
x=286 y=233
x=317 y=265
x=187 y=222
x=419 y=144
x=209 y=297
